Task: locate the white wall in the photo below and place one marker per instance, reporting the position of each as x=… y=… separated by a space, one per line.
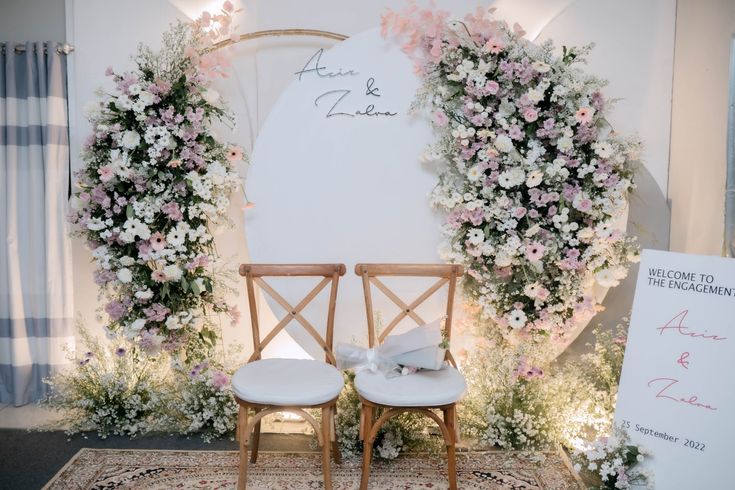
x=704 y=33
x=32 y=20
x=634 y=50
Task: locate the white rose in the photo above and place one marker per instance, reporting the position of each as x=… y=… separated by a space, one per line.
x=540 y=66
x=503 y=260
x=173 y=273
x=130 y=139
x=146 y=98
x=172 y=322
x=127 y=261
x=210 y=96
x=146 y=294
x=125 y=275
x=504 y=144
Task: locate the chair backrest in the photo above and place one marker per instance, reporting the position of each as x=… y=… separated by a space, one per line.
x=254 y=274
x=370 y=273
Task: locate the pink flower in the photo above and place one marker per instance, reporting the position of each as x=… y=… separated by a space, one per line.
x=174 y=163
x=440 y=118
x=219 y=380
x=228 y=7
x=234 y=153
x=542 y=293
x=530 y=114
x=158 y=241
x=492 y=87
x=494 y=46
x=106 y=173
x=534 y=251
x=584 y=115
x=158 y=276
x=584 y=205
x=109 y=72
x=172 y=210
x=519 y=212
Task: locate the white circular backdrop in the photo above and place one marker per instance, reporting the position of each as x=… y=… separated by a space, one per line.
x=345 y=188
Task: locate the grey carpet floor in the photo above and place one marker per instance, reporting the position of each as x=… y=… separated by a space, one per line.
x=28 y=460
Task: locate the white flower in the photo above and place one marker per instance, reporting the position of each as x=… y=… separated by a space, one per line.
x=124 y=275
x=503 y=259
x=146 y=98
x=130 y=139
x=534 y=178
x=173 y=272
x=138 y=324
x=475 y=236
x=96 y=224
x=172 y=322
x=474 y=174
x=603 y=149
x=565 y=143
x=517 y=319
x=127 y=261
x=145 y=294
x=606 y=278
x=176 y=237
x=211 y=96
x=540 y=66
x=531 y=290
x=511 y=178
x=503 y=143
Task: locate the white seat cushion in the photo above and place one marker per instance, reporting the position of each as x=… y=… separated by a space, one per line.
x=287 y=382
x=422 y=389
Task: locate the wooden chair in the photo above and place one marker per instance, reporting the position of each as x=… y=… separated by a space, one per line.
x=421 y=392
x=267 y=386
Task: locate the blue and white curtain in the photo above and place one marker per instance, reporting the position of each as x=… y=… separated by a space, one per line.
x=35 y=255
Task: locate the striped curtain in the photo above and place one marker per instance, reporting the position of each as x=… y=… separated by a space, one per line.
x=35 y=256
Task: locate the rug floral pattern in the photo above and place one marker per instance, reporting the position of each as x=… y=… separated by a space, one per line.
x=96 y=469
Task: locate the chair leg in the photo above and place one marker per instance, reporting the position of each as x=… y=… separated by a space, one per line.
x=367 y=445
x=242 y=424
x=326 y=438
x=256 y=443
x=449 y=421
x=336 y=454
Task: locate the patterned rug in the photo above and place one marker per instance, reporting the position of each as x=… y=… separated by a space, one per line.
x=209 y=470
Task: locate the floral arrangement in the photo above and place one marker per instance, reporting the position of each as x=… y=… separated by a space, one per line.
x=155 y=182
x=610 y=463
x=402 y=433
x=535 y=178
x=115 y=390
x=518 y=400
x=203 y=403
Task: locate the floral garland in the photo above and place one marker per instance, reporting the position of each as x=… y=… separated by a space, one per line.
x=155 y=181
x=534 y=179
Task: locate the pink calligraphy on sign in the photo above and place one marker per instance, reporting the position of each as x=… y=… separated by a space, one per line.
x=665 y=392
x=677 y=324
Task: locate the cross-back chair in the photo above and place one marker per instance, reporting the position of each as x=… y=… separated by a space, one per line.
x=422 y=392
x=266 y=386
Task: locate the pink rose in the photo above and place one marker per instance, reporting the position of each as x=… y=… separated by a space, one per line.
x=530 y=114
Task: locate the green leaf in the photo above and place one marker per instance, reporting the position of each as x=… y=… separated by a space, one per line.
x=195 y=287
x=129 y=211
x=184 y=284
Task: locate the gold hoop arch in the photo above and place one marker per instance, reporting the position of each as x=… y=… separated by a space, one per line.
x=279 y=33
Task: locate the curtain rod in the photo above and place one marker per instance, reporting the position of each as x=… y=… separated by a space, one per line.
x=21 y=48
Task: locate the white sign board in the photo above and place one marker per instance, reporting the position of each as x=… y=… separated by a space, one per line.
x=677 y=394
